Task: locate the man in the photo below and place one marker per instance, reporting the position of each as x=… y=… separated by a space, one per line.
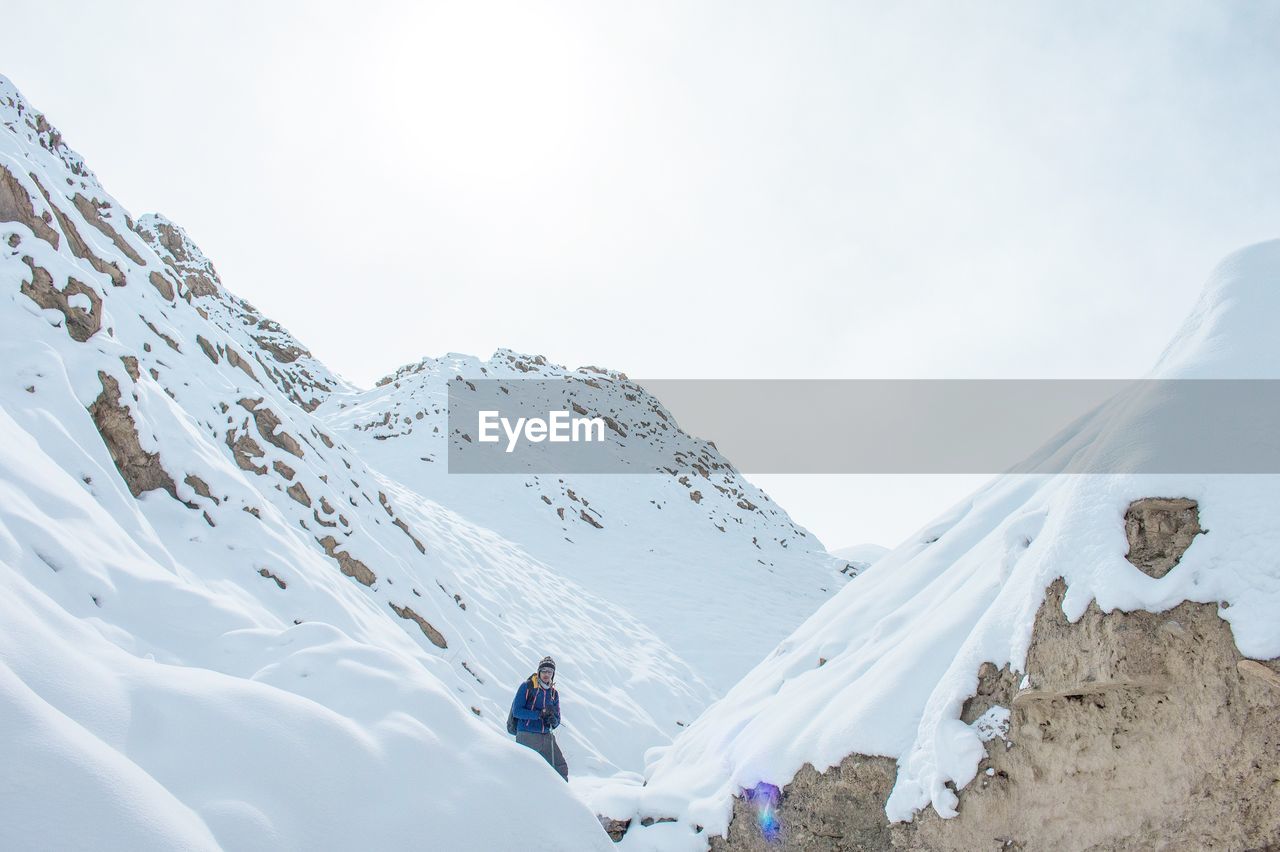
x=536 y=709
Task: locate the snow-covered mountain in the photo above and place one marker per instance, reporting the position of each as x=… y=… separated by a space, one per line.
x=239 y=612
x=1059 y=662
x=691 y=549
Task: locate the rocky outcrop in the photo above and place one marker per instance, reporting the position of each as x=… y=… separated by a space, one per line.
x=1160 y=529
x=16 y=206
x=93 y=215
x=347 y=563
x=435 y=636
x=175 y=248
x=1132 y=730
x=81 y=323
x=140 y=469
x=245 y=450
x=269 y=423
x=77 y=244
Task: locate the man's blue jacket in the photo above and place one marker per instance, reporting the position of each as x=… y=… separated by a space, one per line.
x=531 y=699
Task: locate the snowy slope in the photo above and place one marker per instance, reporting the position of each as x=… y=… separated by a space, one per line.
x=858 y=557
x=692 y=550
x=885 y=667
x=220 y=625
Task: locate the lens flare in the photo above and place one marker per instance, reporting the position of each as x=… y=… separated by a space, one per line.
x=765 y=799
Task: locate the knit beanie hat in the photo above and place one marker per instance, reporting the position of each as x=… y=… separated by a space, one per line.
x=547 y=663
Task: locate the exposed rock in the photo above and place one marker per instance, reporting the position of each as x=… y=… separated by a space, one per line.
x=77 y=244
x=1266 y=674
x=285 y=471
x=614 y=425
x=131 y=366
x=1160 y=530
x=263 y=572
x=615 y=828
x=207 y=347
x=173 y=344
x=1138 y=730
x=282 y=352
x=164 y=286
x=140 y=469
x=326 y=506
x=422 y=548
x=589 y=519
x=268 y=422
x=840 y=809
x=172 y=245
x=299 y=493
x=347 y=563
x=695 y=496
x=234 y=359
x=80 y=324
x=16 y=206
x=996 y=688
x=436 y=637
x=93 y=216
x=245 y=450
x=201 y=487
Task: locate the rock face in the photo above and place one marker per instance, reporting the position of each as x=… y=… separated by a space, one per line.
x=1159 y=530
x=1132 y=730
x=140 y=469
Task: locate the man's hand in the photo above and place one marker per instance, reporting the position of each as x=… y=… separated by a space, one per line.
x=547 y=716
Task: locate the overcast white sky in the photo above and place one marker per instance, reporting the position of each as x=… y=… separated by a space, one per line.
x=692 y=189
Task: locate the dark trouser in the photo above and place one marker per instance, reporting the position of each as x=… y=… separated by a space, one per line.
x=545 y=745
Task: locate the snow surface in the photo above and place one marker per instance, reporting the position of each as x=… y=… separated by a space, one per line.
x=693 y=572
x=903 y=642
x=865 y=553
x=192 y=670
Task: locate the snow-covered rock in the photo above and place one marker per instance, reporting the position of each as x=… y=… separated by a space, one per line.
x=1159 y=684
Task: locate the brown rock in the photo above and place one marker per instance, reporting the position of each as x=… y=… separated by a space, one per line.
x=235 y=360
x=163 y=285
x=93 y=216
x=285 y=471
x=615 y=828
x=263 y=572
x=208 y=347
x=201 y=487
x=16 y=206
x=299 y=493
x=245 y=450
x=268 y=426
x=436 y=637
x=1160 y=530
x=140 y=469
x=78 y=246
x=80 y=324
x=349 y=565
x=1138 y=731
